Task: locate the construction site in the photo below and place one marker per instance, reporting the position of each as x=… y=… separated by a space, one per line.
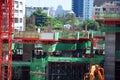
x=72 y=55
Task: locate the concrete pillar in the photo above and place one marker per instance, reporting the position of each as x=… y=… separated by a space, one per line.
x=109 y=64
x=27 y=52
x=117 y=41
x=117 y=61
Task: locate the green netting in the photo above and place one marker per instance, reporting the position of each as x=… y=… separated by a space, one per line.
x=84 y=34
x=98 y=33
x=82 y=60
x=115 y=15
x=5 y=47
x=56 y=35
x=39 y=65
x=13 y=46
x=19 y=64
x=26 y=34
x=117 y=55
x=16 y=46
x=110 y=29
x=65 y=46
x=59 y=47
x=101 y=41
x=68 y=35
x=83 y=45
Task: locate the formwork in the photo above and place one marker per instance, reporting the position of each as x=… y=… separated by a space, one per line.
x=117 y=65
x=117 y=57
x=65 y=46
x=61 y=68
x=21 y=70
x=47 y=67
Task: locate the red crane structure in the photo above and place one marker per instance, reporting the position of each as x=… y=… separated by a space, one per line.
x=6 y=23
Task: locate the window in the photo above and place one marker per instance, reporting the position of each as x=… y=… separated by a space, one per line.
x=21 y=20
x=17 y=6
x=21 y=11
x=104 y=9
x=16 y=20
x=21 y=3
x=21 y=28
x=16 y=11
x=16 y=2
x=98 y=9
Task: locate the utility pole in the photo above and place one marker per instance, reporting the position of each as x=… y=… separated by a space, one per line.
x=63 y=22
x=72 y=16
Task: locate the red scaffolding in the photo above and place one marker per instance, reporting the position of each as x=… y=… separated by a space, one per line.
x=6 y=23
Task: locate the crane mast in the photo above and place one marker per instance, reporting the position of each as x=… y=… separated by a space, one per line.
x=6 y=23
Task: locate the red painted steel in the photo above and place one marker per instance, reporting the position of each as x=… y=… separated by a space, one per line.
x=112 y=20
x=108 y=21
x=6 y=23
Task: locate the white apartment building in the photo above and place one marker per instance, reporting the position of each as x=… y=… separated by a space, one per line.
x=105 y=8
x=19 y=15
x=96 y=11
x=87 y=9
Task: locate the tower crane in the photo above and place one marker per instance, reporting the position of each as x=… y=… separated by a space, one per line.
x=6 y=25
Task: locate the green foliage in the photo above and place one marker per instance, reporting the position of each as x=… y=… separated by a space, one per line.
x=91 y=25
x=56 y=24
x=66 y=19
x=39 y=12
x=31 y=27
x=69 y=19
x=41 y=18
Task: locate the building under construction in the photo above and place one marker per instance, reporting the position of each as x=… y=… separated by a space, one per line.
x=58 y=55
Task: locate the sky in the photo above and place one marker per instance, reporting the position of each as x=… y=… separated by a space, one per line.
x=66 y=4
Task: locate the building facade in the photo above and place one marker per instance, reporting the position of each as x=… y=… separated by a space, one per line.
x=87 y=11
x=117 y=2
x=101 y=2
x=83 y=8
x=96 y=12
x=77 y=7
x=19 y=15
x=104 y=8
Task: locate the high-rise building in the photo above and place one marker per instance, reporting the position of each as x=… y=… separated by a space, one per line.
x=77 y=7
x=19 y=15
x=87 y=11
x=83 y=8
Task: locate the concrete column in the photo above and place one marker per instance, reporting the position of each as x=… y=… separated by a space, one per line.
x=109 y=64
x=27 y=52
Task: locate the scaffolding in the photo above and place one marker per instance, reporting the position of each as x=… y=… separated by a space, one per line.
x=61 y=68
x=6 y=25
x=71 y=45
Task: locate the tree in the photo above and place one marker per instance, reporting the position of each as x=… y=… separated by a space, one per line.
x=41 y=18
x=55 y=24
x=31 y=27
x=90 y=25
x=69 y=18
